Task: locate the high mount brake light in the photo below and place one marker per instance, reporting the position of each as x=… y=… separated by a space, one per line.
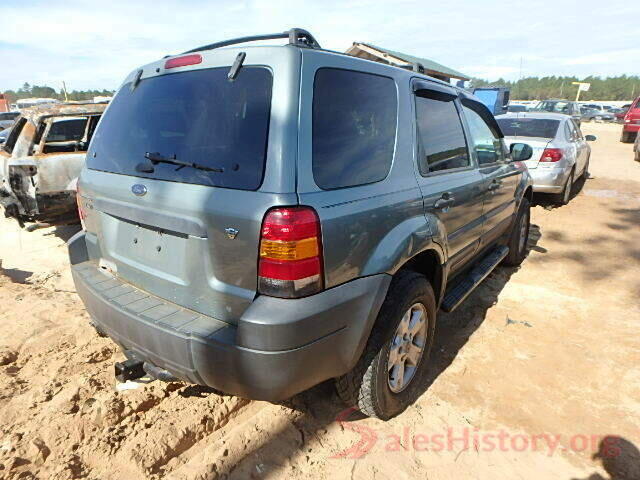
x=183 y=61
x=290 y=263
x=551 y=155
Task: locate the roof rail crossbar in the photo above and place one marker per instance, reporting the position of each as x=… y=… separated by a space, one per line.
x=415 y=67
x=296 y=36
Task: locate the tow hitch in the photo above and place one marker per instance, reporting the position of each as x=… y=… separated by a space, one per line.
x=129 y=370
x=132 y=369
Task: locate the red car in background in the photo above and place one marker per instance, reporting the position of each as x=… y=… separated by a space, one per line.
x=631 y=123
x=623 y=111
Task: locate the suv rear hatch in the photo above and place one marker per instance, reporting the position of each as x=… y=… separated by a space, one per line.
x=177 y=183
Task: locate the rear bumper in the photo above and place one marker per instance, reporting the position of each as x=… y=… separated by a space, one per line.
x=278 y=348
x=631 y=127
x=549 y=180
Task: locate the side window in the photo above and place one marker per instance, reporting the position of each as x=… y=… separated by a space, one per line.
x=66 y=135
x=354 y=127
x=13 y=136
x=568 y=132
x=442 y=145
x=573 y=133
x=575 y=126
x=484 y=141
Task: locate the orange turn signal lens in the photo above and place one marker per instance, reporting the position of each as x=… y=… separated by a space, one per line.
x=296 y=250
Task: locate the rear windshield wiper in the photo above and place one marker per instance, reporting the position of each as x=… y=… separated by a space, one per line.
x=155 y=158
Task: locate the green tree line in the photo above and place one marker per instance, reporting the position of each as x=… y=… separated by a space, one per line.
x=622 y=87
x=36 y=91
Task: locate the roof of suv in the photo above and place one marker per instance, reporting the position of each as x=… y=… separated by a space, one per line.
x=306 y=42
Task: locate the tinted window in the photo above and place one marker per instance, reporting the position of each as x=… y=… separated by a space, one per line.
x=528 y=127
x=354 y=127
x=516 y=108
x=66 y=130
x=487 y=145
x=198 y=117
x=441 y=137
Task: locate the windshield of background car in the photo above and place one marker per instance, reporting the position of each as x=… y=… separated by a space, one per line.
x=198 y=117
x=528 y=127
x=555 y=107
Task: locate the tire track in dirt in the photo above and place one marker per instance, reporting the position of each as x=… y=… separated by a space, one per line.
x=63 y=418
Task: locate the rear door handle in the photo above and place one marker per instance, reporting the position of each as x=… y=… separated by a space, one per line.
x=495 y=185
x=445 y=201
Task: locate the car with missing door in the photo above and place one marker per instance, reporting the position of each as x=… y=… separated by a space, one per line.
x=41 y=158
x=307 y=228
x=561 y=153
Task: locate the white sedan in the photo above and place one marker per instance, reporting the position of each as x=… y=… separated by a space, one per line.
x=560 y=151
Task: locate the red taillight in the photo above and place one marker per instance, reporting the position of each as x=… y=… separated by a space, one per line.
x=183 y=61
x=290 y=262
x=551 y=155
x=81 y=212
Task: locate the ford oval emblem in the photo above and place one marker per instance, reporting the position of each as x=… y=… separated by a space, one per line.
x=139 y=189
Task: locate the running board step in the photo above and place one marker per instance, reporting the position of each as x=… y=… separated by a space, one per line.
x=454 y=297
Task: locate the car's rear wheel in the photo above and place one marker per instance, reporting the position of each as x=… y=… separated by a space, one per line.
x=627 y=137
x=563 y=197
x=519 y=236
x=391 y=371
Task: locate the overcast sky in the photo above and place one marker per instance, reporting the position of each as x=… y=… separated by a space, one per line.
x=93 y=44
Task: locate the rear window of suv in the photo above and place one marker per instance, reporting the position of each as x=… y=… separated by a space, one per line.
x=354 y=127
x=196 y=117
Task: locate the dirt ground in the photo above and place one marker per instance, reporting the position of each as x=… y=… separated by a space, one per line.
x=536 y=376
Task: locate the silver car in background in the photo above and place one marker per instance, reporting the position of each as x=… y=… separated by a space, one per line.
x=560 y=151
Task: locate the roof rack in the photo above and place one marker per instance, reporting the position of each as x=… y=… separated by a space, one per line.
x=415 y=67
x=296 y=36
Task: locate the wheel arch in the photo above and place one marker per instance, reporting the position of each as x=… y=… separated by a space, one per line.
x=429 y=263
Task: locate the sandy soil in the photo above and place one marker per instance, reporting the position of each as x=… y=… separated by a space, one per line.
x=527 y=377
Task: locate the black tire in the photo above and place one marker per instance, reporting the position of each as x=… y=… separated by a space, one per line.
x=627 y=137
x=366 y=387
x=638 y=156
x=517 y=244
x=563 y=197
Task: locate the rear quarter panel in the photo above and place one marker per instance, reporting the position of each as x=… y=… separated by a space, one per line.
x=367 y=229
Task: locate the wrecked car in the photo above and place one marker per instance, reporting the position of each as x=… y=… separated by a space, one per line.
x=41 y=159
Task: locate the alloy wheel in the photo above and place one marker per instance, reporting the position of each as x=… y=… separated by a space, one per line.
x=407 y=347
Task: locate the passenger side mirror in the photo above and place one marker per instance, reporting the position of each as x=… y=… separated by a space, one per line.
x=521 y=152
x=590 y=138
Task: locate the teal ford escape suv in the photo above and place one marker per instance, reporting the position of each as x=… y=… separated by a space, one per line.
x=260 y=219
